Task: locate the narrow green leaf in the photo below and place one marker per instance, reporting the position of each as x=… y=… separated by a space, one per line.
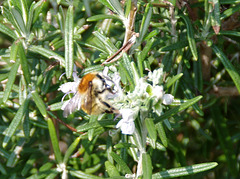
x=7 y=31
x=54 y=141
x=122 y=164
x=22 y=90
x=215 y=15
x=152 y=34
x=15 y=155
x=14 y=51
x=190 y=36
x=106 y=3
x=4 y=153
x=55 y=106
x=128 y=7
x=229 y=67
x=19 y=20
x=24 y=63
x=127 y=65
x=178 y=45
x=124 y=145
x=11 y=79
x=145 y=22
x=229 y=1
x=230 y=11
x=24 y=10
x=232 y=33
x=198 y=79
x=162 y=134
x=172 y=80
x=167 y=61
x=15 y=122
x=68 y=37
x=80 y=174
x=92 y=68
x=177 y=109
x=91 y=131
x=144 y=25
x=46 y=166
x=111 y=169
x=115 y=4
x=151 y=128
x=97 y=124
x=30 y=17
x=26 y=124
x=71 y=149
x=2 y=169
x=38 y=8
x=93 y=169
x=102 y=17
x=28 y=165
x=184 y=171
x=9 y=16
x=3 y=76
x=225 y=140
x=106 y=42
x=134 y=71
x=147 y=48
x=147 y=165
x=189 y=94
x=143 y=54
x=40 y=104
x=47 y=53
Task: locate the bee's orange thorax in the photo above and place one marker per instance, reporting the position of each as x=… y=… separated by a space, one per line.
x=84 y=84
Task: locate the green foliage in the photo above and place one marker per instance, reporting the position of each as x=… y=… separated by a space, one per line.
x=197 y=46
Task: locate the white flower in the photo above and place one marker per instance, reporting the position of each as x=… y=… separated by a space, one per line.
x=70 y=87
x=140 y=90
x=126 y=127
x=157 y=92
x=167 y=99
x=156 y=76
x=126 y=124
x=105 y=71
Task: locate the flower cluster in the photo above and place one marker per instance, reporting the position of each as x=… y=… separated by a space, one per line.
x=148 y=95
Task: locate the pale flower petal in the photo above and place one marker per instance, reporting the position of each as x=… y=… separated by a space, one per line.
x=69 y=87
x=105 y=71
x=128 y=128
x=158 y=92
x=65 y=104
x=167 y=99
x=127 y=114
x=126 y=124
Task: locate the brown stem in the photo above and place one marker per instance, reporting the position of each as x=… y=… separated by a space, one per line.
x=225 y=91
x=206 y=56
x=130 y=22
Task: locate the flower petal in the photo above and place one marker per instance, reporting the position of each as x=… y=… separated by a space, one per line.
x=127 y=114
x=157 y=92
x=69 y=87
x=167 y=99
x=126 y=127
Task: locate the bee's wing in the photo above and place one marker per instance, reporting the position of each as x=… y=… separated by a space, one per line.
x=70 y=106
x=87 y=101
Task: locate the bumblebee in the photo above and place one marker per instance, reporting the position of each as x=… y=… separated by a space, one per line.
x=93 y=96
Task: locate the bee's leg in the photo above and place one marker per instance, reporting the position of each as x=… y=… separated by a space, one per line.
x=118 y=114
x=110 y=108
